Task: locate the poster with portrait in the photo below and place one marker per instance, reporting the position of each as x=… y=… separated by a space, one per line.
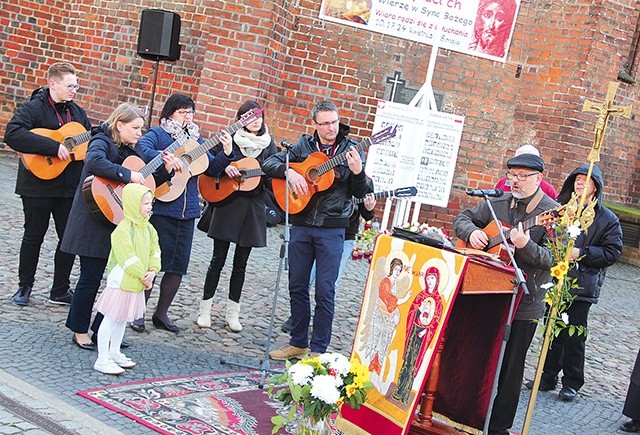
x=481 y=28
x=408 y=298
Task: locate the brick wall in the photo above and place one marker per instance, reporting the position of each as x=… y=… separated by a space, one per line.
x=282 y=54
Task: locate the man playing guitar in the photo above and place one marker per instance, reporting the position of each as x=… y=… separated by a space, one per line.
x=49 y=108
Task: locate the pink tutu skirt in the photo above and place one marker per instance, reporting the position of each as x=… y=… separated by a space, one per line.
x=120 y=305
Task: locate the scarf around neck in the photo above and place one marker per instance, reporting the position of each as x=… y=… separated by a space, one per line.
x=173 y=127
x=250 y=144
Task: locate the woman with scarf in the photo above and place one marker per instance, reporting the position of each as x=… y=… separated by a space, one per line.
x=242 y=221
x=175 y=220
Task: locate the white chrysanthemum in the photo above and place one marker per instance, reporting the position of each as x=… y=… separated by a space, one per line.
x=565 y=318
x=336 y=361
x=323 y=388
x=574 y=231
x=546 y=286
x=300 y=374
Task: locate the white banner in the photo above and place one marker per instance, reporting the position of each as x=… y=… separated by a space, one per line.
x=480 y=28
x=423 y=153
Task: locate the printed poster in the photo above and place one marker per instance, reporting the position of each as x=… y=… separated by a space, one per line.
x=481 y=28
x=423 y=153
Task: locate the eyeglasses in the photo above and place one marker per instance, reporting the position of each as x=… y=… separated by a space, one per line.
x=328 y=123
x=520 y=177
x=71 y=87
x=185 y=112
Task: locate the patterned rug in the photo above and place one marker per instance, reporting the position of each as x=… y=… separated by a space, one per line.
x=214 y=403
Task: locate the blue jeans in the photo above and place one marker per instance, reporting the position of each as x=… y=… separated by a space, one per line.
x=324 y=246
x=347 y=249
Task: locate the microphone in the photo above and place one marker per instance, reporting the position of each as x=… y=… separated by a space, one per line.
x=286 y=144
x=485 y=192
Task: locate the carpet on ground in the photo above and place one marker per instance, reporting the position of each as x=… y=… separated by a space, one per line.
x=212 y=403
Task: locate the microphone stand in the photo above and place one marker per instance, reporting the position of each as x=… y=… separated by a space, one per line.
x=518 y=282
x=282 y=265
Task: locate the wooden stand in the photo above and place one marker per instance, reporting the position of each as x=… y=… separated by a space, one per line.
x=422 y=423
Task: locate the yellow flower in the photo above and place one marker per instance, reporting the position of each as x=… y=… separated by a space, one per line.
x=560 y=270
x=548 y=299
x=351 y=388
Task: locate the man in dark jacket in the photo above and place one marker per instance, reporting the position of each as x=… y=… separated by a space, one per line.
x=595 y=249
x=525 y=201
x=49 y=108
x=318 y=231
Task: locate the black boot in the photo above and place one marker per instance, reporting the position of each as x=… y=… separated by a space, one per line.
x=168 y=289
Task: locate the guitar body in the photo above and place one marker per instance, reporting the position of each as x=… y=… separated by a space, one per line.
x=191 y=166
x=492 y=231
x=104 y=196
x=316 y=182
x=218 y=190
x=50 y=167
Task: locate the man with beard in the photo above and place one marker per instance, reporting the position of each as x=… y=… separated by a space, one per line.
x=493 y=26
x=525 y=201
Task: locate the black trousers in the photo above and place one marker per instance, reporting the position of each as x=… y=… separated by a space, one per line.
x=37 y=213
x=505 y=404
x=566 y=353
x=632 y=401
x=236 y=282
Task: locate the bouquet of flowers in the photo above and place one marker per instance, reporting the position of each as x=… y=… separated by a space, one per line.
x=320 y=386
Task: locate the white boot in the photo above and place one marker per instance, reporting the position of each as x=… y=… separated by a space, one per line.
x=204 y=313
x=233 y=311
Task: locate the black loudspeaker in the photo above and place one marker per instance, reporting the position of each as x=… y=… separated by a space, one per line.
x=159 y=35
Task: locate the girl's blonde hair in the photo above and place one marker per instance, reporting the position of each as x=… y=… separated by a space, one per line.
x=124 y=113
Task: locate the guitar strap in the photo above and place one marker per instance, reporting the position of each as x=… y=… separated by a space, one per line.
x=61 y=122
x=531 y=206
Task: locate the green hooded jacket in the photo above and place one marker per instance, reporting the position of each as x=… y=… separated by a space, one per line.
x=134 y=244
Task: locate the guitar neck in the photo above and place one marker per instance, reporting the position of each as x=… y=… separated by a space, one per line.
x=250 y=173
x=526 y=225
x=201 y=149
x=157 y=161
x=81 y=138
x=342 y=157
x=376 y=195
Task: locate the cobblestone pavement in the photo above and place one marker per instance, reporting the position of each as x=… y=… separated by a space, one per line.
x=42 y=370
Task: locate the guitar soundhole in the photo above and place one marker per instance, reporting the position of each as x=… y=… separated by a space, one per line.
x=187 y=158
x=313 y=175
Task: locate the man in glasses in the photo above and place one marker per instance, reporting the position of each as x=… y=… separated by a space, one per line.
x=505 y=185
x=318 y=231
x=525 y=201
x=49 y=108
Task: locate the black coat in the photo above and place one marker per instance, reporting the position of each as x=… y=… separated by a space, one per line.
x=243 y=220
x=84 y=234
x=600 y=247
x=38 y=113
x=332 y=207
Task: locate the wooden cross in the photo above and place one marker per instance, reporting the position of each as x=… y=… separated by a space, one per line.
x=604 y=110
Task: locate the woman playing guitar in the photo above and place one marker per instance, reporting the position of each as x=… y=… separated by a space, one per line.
x=242 y=221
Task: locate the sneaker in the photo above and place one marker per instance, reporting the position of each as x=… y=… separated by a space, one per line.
x=108 y=367
x=64 y=299
x=288 y=351
x=122 y=360
x=22 y=296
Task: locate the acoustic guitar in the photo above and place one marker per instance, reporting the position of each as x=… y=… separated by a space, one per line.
x=219 y=190
x=104 y=196
x=72 y=135
x=194 y=159
x=317 y=170
x=400 y=192
x=495 y=245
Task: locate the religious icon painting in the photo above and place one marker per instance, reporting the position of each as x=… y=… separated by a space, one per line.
x=408 y=297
